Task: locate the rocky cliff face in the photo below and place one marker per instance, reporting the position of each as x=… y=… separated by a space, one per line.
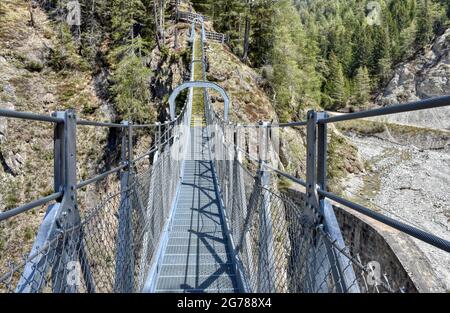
x=426 y=76
x=408 y=156
x=39 y=74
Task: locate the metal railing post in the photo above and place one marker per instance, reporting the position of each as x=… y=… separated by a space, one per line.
x=130 y=146
x=192 y=36
x=158 y=136
x=61 y=218
x=68 y=216
x=164 y=169
x=312 y=206
x=266 y=268
x=124 y=143
x=65 y=155
x=124 y=279
x=245 y=239
x=322 y=146
x=312 y=198
x=230 y=155
x=320 y=210
x=203 y=31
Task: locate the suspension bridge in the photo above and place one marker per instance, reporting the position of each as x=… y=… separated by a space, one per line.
x=198 y=212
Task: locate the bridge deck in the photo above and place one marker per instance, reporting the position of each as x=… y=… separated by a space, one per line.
x=197 y=257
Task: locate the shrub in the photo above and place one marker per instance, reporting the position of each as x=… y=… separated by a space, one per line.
x=131 y=89
x=34 y=66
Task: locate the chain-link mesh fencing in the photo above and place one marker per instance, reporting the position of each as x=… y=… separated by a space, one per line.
x=277 y=248
x=109 y=247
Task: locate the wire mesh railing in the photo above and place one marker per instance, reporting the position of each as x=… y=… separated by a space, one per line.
x=219 y=37
x=264 y=242
x=110 y=245
x=278 y=248
x=192 y=17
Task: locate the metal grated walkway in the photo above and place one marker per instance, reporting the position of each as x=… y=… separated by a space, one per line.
x=197 y=257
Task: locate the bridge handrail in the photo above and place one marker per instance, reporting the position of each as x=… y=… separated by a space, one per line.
x=191 y=16
x=100 y=124
x=403 y=227
x=31 y=205
x=53 y=119
x=430 y=103
x=41 y=201
x=435 y=102
x=323 y=120
x=30 y=116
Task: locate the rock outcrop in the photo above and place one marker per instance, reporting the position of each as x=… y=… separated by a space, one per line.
x=426 y=76
x=29 y=82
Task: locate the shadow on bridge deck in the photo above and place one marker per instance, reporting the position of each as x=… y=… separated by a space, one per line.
x=197 y=257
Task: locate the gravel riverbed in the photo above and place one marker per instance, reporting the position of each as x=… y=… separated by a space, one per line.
x=410 y=184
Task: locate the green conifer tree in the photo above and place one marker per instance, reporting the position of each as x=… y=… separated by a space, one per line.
x=295 y=80
x=424 y=24
x=131 y=87
x=335 y=85
x=362 y=86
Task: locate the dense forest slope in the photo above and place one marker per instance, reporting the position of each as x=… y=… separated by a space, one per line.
x=331 y=53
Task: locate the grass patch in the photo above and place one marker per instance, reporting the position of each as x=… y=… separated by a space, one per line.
x=342 y=160
x=284 y=184
x=72 y=93
x=361 y=127
x=12 y=198
x=88 y=108
x=366 y=127
x=28 y=233
x=34 y=66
